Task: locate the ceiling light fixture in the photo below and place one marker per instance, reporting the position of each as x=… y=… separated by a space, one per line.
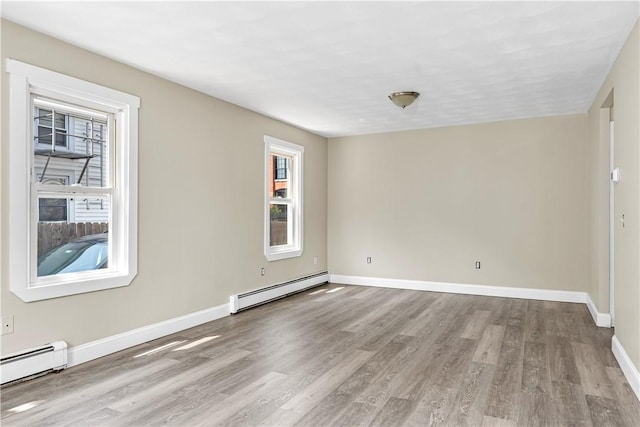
x=403 y=99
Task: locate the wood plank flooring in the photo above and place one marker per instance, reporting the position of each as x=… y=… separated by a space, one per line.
x=356 y=356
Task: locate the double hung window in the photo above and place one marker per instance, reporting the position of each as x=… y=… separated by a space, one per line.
x=73 y=182
x=283 y=201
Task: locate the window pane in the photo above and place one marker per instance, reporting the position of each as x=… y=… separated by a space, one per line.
x=280 y=172
x=278 y=224
x=81 y=150
x=281 y=167
x=74 y=246
x=44 y=130
x=43 y=118
x=53 y=210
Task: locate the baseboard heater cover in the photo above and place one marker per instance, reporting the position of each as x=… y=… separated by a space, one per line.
x=270 y=293
x=33 y=361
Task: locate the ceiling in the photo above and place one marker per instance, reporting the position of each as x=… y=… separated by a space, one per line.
x=328 y=66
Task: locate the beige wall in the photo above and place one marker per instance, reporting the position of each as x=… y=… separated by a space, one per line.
x=527 y=198
x=427 y=204
x=624 y=81
x=201 y=198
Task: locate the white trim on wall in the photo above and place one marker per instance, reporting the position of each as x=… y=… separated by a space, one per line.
x=295 y=201
x=459 y=288
x=105 y=346
x=27 y=81
x=602 y=320
x=102 y=347
x=628 y=369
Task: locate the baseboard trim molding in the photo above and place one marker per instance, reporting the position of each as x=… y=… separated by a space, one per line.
x=460 y=288
x=102 y=347
x=628 y=368
x=602 y=320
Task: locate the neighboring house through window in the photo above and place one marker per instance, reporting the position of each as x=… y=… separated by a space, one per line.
x=80 y=140
x=45 y=130
x=280 y=174
x=283 y=205
x=281 y=166
x=54 y=209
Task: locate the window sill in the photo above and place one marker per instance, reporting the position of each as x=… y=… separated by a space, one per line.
x=74 y=284
x=276 y=255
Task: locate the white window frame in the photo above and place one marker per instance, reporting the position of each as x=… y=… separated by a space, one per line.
x=26 y=81
x=294 y=247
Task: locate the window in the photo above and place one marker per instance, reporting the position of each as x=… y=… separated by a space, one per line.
x=283 y=199
x=73 y=152
x=53 y=209
x=281 y=164
x=45 y=129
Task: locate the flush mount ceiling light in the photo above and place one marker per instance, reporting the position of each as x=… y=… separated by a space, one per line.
x=403 y=99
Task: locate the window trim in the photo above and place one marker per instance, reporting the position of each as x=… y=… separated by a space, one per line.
x=296 y=174
x=26 y=80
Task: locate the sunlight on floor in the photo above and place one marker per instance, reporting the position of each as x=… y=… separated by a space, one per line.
x=155 y=350
x=196 y=343
x=26 y=406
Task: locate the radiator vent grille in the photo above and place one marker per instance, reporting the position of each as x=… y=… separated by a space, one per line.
x=33 y=361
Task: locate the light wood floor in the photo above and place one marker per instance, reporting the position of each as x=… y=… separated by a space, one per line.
x=350 y=357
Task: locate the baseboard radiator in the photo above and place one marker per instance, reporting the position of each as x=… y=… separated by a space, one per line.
x=264 y=295
x=33 y=362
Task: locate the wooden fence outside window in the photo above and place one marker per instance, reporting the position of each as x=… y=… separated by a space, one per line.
x=52 y=234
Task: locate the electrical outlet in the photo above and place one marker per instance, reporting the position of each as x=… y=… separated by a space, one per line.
x=315 y=260
x=7 y=325
x=368 y=260
x=477 y=265
x=262 y=271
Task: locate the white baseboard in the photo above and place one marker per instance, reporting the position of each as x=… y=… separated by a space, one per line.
x=627 y=366
x=602 y=320
x=458 y=288
x=102 y=347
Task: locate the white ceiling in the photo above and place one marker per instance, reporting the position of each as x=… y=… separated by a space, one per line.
x=329 y=66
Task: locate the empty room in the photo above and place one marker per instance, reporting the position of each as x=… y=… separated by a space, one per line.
x=320 y=213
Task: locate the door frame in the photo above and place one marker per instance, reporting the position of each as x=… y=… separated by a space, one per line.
x=612 y=228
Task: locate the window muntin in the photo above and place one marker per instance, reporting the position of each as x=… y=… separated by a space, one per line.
x=95 y=118
x=283 y=207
